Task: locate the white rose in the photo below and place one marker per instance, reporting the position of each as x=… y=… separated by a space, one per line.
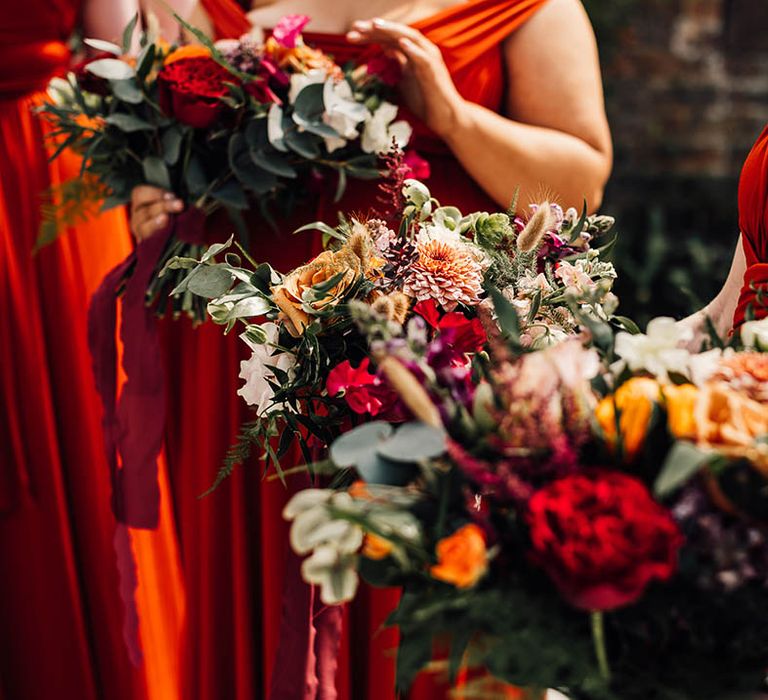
x=380 y=130
x=342 y=112
x=659 y=351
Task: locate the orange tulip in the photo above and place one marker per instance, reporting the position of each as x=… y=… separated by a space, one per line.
x=462 y=557
x=634 y=400
x=681 y=403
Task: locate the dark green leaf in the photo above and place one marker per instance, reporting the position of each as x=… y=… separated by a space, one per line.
x=172 y=140
x=209 y=281
x=305 y=144
x=156 y=172
x=341 y=185
x=256 y=134
x=309 y=103
x=145 y=61
x=506 y=314
x=628 y=324
x=195 y=177
x=231 y=194
x=273 y=162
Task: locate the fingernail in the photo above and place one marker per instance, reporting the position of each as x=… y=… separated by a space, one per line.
x=354 y=36
x=177 y=205
x=169 y=196
x=362 y=24
x=380 y=22
x=160 y=220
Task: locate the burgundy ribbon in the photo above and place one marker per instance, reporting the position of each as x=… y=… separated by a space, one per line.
x=134 y=423
x=755 y=280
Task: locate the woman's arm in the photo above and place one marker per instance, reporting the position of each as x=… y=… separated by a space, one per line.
x=557 y=141
x=721 y=309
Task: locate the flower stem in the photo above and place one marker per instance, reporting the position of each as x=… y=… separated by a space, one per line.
x=598 y=636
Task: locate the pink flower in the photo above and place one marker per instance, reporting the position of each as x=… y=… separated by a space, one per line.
x=418 y=167
x=288 y=30
x=365 y=393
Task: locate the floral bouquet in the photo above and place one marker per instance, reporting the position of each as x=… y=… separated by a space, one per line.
x=589 y=516
x=422 y=280
x=237 y=124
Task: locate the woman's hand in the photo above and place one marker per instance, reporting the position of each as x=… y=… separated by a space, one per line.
x=150 y=209
x=427 y=87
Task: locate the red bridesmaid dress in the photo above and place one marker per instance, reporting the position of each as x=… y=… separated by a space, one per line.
x=61 y=616
x=234 y=542
x=753 y=222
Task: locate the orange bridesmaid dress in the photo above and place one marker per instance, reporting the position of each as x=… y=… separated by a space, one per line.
x=62 y=617
x=234 y=541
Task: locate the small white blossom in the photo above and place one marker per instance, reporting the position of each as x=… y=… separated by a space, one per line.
x=334 y=571
x=258 y=374
x=342 y=113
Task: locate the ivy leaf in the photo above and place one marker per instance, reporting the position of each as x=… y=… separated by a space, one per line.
x=683 y=461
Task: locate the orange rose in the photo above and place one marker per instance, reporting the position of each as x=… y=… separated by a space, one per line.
x=634 y=400
x=297 y=292
x=375 y=547
x=725 y=417
x=188 y=51
x=681 y=403
x=462 y=557
x=359 y=490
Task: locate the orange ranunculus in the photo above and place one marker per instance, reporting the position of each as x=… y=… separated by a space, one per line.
x=188 y=51
x=727 y=418
x=296 y=296
x=359 y=490
x=462 y=557
x=634 y=400
x=375 y=547
x=681 y=403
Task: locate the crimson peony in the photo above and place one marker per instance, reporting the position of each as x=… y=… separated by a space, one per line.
x=602 y=538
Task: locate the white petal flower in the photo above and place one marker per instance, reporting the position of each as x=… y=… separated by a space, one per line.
x=659 y=351
x=258 y=374
x=380 y=130
x=342 y=112
x=301 y=80
x=754 y=334
x=335 y=573
x=304 y=500
x=60 y=92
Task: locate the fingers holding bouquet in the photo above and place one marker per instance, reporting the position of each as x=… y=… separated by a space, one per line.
x=151 y=208
x=427 y=87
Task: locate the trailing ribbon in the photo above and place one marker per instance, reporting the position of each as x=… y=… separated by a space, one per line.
x=134 y=423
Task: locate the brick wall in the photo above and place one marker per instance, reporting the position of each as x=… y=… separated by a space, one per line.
x=687 y=95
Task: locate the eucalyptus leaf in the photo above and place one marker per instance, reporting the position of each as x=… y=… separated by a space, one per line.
x=156 y=172
x=683 y=462
x=128 y=122
x=231 y=194
x=127 y=38
x=252 y=306
x=305 y=144
x=209 y=281
x=359 y=443
x=273 y=162
x=172 y=139
x=414 y=442
x=195 y=177
x=145 y=61
x=216 y=248
x=127 y=91
x=309 y=105
x=110 y=69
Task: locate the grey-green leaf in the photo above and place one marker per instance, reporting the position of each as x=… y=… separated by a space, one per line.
x=683 y=461
x=209 y=281
x=156 y=172
x=414 y=442
x=359 y=444
x=128 y=122
x=127 y=91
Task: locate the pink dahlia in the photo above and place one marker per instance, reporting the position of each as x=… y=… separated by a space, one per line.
x=446 y=271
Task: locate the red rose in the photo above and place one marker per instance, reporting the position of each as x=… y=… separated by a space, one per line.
x=190 y=90
x=602 y=538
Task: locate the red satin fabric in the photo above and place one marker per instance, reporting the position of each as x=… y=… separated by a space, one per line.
x=59 y=604
x=753 y=222
x=234 y=541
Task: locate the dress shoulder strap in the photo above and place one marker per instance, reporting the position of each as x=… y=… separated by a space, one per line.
x=471 y=28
